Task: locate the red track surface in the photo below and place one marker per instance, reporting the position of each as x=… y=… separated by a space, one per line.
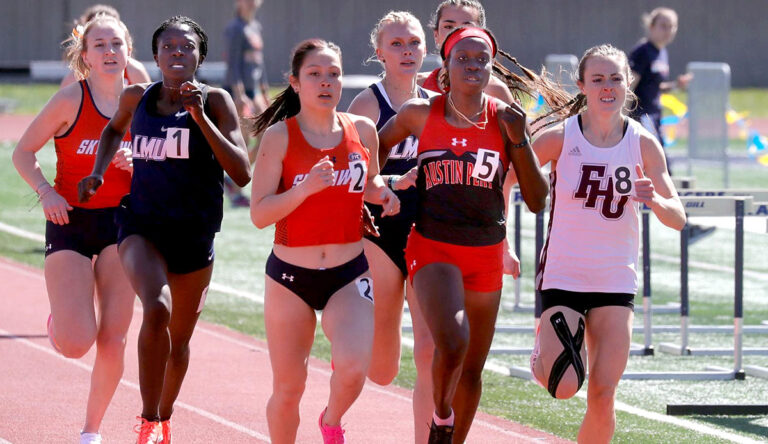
x=42 y=395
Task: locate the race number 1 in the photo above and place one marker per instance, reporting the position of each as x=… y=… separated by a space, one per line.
x=358 y=171
x=486 y=164
x=177 y=143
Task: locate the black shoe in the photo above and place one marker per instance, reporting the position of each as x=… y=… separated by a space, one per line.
x=698 y=232
x=440 y=434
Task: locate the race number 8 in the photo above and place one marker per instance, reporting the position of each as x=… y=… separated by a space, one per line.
x=486 y=164
x=358 y=175
x=177 y=143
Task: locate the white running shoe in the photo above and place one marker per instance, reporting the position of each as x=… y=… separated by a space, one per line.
x=90 y=438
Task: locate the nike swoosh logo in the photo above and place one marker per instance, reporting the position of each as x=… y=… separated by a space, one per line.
x=180 y=113
x=163 y=129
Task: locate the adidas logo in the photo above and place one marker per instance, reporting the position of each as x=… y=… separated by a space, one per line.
x=575 y=151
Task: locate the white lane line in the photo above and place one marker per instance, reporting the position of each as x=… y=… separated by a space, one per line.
x=690 y=425
x=204 y=413
x=369 y=385
x=10 y=229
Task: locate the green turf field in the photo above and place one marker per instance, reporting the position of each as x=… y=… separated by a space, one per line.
x=241 y=251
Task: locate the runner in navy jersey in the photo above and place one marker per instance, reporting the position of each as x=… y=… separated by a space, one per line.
x=185 y=135
x=399 y=42
x=468 y=141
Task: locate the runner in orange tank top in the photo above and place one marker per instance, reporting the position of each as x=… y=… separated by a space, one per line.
x=315 y=166
x=75 y=233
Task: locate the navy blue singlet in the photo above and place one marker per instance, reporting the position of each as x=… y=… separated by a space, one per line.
x=402 y=157
x=177 y=182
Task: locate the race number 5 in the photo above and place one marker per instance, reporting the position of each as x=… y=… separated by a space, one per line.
x=358 y=172
x=486 y=164
x=177 y=143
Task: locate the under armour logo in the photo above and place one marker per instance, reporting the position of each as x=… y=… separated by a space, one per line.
x=287 y=277
x=457 y=142
x=413 y=265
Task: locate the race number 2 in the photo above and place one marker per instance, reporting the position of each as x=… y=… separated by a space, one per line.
x=365 y=288
x=486 y=164
x=177 y=143
x=358 y=175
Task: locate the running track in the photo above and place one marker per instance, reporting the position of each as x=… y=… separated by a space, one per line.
x=42 y=395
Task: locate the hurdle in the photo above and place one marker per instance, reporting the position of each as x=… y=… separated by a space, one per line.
x=737 y=206
x=708 y=205
x=685 y=185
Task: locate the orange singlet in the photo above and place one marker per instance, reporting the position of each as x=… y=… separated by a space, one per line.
x=333 y=215
x=432 y=83
x=76 y=153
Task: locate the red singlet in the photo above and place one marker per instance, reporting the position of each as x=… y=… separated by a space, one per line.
x=76 y=153
x=333 y=215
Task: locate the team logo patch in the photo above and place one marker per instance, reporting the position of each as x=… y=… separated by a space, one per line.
x=355 y=156
x=456 y=142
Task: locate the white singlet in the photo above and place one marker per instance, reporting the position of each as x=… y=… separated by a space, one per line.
x=594 y=227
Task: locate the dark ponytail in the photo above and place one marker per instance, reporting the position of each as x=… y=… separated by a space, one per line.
x=287 y=103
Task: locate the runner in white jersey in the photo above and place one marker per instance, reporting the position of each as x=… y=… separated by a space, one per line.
x=591 y=202
x=604 y=166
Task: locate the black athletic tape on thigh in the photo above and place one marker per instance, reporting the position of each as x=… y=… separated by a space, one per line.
x=571 y=354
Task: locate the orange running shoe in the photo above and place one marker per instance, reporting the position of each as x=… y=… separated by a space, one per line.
x=166 y=428
x=150 y=432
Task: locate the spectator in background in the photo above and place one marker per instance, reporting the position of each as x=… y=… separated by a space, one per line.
x=246 y=78
x=649 y=62
x=134 y=70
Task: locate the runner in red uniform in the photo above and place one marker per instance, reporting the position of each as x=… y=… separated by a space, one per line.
x=75 y=233
x=315 y=165
x=454 y=254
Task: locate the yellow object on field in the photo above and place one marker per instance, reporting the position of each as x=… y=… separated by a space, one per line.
x=732 y=116
x=677 y=107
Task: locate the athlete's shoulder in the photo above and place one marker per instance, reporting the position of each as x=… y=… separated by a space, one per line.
x=365 y=126
x=65 y=103
x=274 y=142
x=365 y=104
x=549 y=143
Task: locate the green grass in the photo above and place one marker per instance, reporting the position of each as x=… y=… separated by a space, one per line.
x=29 y=98
x=241 y=251
x=753 y=101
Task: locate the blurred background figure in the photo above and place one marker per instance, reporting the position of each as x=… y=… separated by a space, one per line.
x=649 y=62
x=246 y=78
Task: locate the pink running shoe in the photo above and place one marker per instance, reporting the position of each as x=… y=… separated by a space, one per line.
x=51 y=339
x=331 y=434
x=166 y=427
x=150 y=432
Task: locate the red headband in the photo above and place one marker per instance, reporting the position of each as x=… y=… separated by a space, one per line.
x=465 y=33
